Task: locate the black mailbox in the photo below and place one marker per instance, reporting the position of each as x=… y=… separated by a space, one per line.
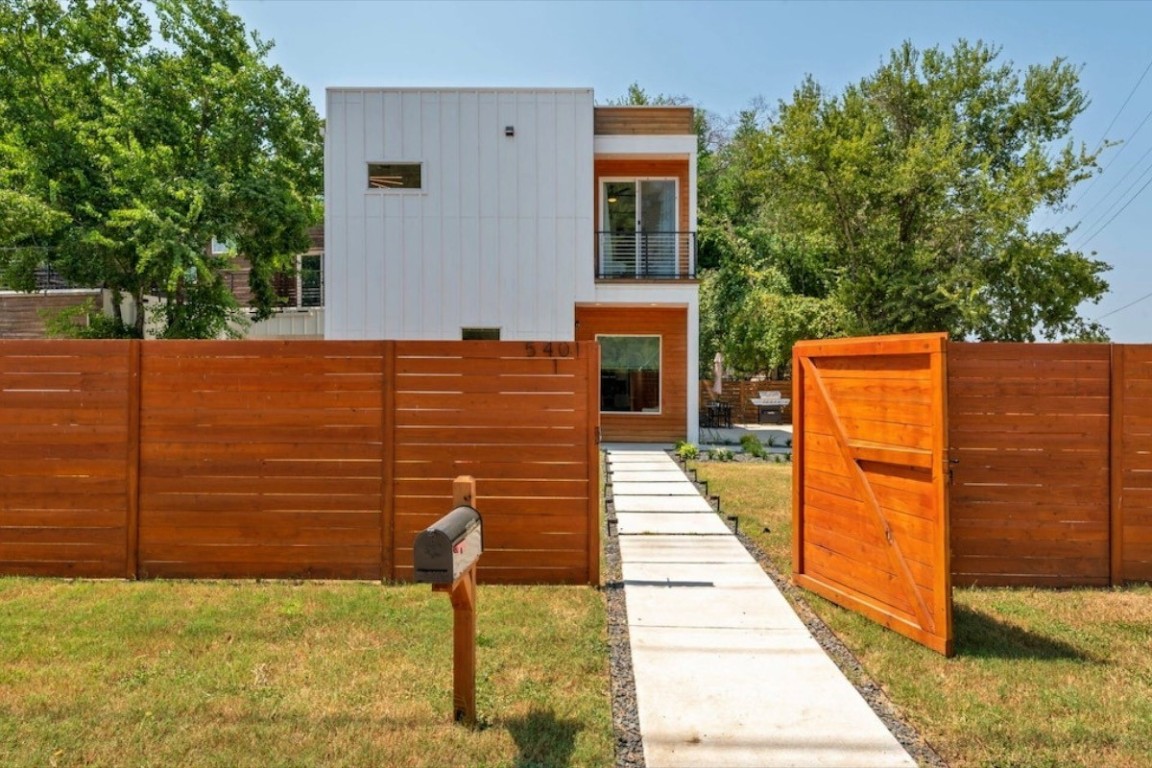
x=446 y=549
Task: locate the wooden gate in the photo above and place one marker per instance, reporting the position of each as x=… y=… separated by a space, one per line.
x=870 y=518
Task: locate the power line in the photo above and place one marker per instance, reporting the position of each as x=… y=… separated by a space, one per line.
x=1116 y=186
x=1130 y=201
x=1145 y=297
x=1131 y=93
x=1123 y=146
x=1096 y=223
x=1104 y=136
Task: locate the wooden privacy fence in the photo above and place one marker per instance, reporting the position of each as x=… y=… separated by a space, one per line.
x=738 y=394
x=1040 y=457
x=294 y=459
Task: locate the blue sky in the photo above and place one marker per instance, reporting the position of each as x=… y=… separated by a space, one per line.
x=722 y=55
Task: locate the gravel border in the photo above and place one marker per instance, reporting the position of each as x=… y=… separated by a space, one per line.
x=625 y=715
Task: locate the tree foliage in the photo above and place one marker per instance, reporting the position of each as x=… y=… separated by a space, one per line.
x=144 y=150
x=921 y=183
x=906 y=203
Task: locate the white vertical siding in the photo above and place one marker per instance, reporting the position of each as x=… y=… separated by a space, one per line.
x=500 y=235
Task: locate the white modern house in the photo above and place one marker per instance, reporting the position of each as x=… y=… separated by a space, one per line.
x=521 y=214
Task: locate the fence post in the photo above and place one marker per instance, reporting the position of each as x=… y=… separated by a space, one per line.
x=1116 y=466
x=388 y=461
x=592 y=434
x=132 y=516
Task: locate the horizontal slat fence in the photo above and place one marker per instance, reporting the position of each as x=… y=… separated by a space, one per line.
x=738 y=395
x=65 y=450
x=514 y=416
x=261 y=459
x=1029 y=445
x=1049 y=450
x=294 y=459
x=1132 y=463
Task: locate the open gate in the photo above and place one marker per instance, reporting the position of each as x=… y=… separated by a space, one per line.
x=870 y=516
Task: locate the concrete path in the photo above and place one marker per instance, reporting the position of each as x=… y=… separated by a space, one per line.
x=726 y=673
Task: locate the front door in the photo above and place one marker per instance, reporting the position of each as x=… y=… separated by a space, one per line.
x=640 y=229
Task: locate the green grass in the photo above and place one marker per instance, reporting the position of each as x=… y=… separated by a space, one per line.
x=1041 y=679
x=279 y=674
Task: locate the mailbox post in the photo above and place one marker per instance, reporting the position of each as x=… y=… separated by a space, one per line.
x=445 y=555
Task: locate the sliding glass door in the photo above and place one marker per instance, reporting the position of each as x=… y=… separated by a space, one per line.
x=640 y=238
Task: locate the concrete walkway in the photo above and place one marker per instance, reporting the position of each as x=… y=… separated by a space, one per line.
x=726 y=673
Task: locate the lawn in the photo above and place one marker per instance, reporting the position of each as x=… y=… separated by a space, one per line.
x=1040 y=678
x=277 y=674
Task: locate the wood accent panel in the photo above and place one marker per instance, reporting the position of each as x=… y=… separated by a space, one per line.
x=1029 y=444
x=671 y=324
x=644 y=121
x=64 y=457
x=870 y=508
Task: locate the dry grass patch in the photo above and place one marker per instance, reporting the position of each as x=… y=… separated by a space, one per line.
x=271 y=674
x=1041 y=679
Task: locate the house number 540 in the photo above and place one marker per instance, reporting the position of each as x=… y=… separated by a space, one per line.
x=548 y=349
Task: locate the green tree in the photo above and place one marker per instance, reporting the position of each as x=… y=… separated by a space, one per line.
x=152 y=150
x=916 y=190
x=751 y=310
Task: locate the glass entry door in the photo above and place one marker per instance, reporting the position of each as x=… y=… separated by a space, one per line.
x=640 y=224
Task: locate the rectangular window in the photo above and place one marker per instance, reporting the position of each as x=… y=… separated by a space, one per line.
x=395 y=176
x=629 y=374
x=312 y=281
x=480 y=334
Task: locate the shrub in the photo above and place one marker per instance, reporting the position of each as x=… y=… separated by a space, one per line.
x=84 y=321
x=722 y=454
x=686 y=450
x=784 y=441
x=752 y=446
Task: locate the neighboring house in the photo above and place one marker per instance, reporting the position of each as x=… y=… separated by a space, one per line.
x=300 y=314
x=23 y=315
x=521 y=214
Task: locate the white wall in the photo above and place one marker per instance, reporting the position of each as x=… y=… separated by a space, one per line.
x=290 y=324
x=501 y=235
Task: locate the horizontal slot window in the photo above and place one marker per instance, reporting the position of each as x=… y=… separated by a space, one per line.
x=395 y=176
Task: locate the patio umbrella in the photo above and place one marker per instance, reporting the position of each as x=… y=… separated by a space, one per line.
x=718 y=374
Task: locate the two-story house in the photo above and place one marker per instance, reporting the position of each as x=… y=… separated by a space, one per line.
x=521 y=214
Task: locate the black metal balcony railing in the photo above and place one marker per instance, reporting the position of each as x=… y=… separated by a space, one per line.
x=645 y=255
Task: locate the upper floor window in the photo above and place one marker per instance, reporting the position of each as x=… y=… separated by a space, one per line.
x=395 y=176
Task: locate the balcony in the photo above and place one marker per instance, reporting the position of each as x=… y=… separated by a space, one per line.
x=639 y=255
